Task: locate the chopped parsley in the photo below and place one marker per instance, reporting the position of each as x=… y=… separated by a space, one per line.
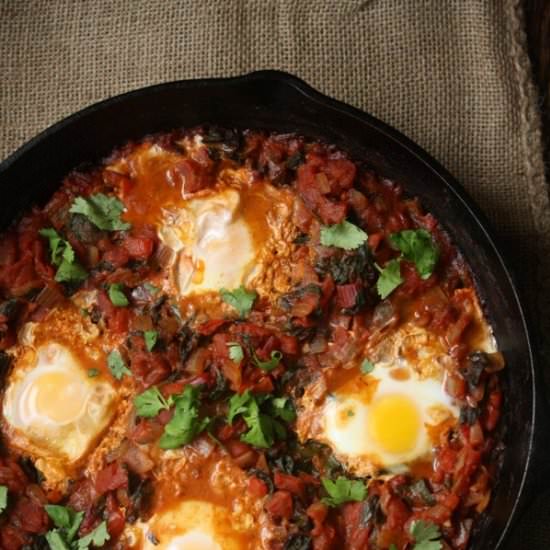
x=151 y=402
x=367 y=366
x=63 y=257
x=67 y=523
x=150 y=337
x=103 y=211
x=343 y=490
x=343 y=235
x=117 y=296
x=236 y=353
x=185 y=425
x=426 y=535
x=417 y=246
x=263 y=427
x=3 y=498
x=92 y=373
x=117 y=365
x=98 y=537
x=389 y=279
x=240 y=298
x=269 y=365
x=282 y=407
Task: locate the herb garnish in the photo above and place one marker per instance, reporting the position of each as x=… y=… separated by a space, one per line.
x=117 y=296
x=240 y=298
x=150 y=402
x=426 y=535
x=117 y=365
x=389 y=279
x=343 y=490
x=63 y=257
x=150 y=337
x=185 y=425
x=103 y=211
x=263 y=426
x=343 y=235
x=417 y=246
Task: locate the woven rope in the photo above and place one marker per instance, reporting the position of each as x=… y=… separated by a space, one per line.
x=451 y=74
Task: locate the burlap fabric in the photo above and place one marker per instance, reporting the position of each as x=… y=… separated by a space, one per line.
x=451 y=74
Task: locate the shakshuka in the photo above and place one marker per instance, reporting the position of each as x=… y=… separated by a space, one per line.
x=230 y=340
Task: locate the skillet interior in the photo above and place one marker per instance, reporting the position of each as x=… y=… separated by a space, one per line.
x=283 y=103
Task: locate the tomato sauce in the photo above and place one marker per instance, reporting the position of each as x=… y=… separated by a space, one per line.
x=215 y=389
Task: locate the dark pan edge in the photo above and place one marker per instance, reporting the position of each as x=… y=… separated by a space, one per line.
x=313 y=96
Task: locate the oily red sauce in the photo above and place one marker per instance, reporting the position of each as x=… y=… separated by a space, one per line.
x=269 y=355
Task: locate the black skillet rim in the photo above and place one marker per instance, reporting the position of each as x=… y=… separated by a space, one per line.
x=441 y=174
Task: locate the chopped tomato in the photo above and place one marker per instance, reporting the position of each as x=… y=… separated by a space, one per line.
x=116 y=519
x=190 y=176
x=113 y=476
x=280 y=505
x=289 y=344
x=146 y=431
x=12 y=538
x=257 y=487
x=139 y=248
x=289 y=483
x=30 y=515
x=347 y=295
x=209 y=327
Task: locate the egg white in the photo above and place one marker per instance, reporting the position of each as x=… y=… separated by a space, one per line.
x=211 y=241
x=50 y=403
x=383 y=420
x=389 y=431
x=189 y=525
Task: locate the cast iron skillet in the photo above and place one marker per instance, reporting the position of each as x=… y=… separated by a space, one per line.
x=281 y=102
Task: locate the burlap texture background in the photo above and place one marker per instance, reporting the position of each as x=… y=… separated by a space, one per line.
x=451 y=74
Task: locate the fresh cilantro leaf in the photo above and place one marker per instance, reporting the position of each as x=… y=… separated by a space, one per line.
x=67 y=520
x=117 y=365
x=57 y=244
x=151 y=289
x=63 y=257
x=367 y=366
x=389 y=279
x=117 y=296
x=263 y=428
x=67 y=272
x=103 y=211
x=56 y=541
x=240 y=298
x=238 y=404
x=3 y=498
x=236 y=353
x=150 y=402
x=276 y=357
x=282 y=407
x=392 y=547
x=343 y=235
x=98 y=537
x=185 y=425
x=418 y=246
x=426 y=535
x=343 y=490
x=92 y=373
x=150 y=337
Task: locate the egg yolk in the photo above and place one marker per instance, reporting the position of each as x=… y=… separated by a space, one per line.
x=394 y=422
x=58 y=396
